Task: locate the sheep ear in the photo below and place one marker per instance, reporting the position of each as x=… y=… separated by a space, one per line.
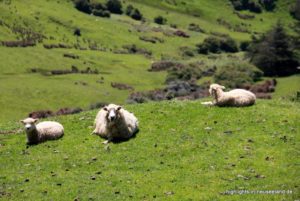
x=22 y=121
x=119 y=108
x=105 y=109
x=35 y=120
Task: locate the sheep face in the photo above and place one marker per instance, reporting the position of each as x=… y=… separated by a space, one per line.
x=113 y=113
x=29 y=124
x=213 y=89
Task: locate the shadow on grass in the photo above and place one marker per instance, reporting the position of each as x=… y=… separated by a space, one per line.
x=120 y=140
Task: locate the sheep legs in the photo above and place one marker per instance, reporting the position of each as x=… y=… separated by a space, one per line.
x=109 y=139
x=208 y=103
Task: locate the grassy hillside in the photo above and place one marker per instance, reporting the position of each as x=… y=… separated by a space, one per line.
x=214 y=150
x=23 y=91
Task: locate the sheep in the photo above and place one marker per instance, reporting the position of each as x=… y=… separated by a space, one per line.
x=47 y=130
x=113 y=122
x=236 y=97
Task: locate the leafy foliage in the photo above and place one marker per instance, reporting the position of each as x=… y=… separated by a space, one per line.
x=134 y=13
x=269 y=5
x=273 y=53
x=250 y=5
x=160 y=20
x=83 y=6
x=237 y=74
x=114 y=6
x=101 y=13
x=295 y=10
x=217 y=45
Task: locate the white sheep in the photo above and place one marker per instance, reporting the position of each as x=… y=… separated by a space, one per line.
x=47 y=130
x=235 y=97
x=113 y=121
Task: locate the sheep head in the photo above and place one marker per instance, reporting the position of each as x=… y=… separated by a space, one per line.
x=113 y=112
x=29 y=123
x=214 y=89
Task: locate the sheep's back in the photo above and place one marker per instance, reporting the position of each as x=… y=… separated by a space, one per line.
x=50 y=130
x=241 y=97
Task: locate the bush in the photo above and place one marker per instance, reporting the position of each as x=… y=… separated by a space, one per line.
x=254 y=7
x=129 y=9
x=269 y=5
x=77 y=32
x=114 y=6
x=217 y=45
x=196 y=28
x=236 y=75
x=227 y=44
x=295 y=10
x=185 y=74
x=101 y=13
x=273 y=53
x=160 y=20
x=244 y=45
x=97 y=6
x=250 y=5
x=189 y=72
x=83 y=6
x=134 y=13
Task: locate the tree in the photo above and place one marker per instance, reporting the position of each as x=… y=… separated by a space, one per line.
x=273 y=53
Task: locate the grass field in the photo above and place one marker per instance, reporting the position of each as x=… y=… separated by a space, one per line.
x=184 y=151
x=213 y=151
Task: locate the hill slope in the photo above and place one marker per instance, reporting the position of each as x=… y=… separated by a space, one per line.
x=23 y=91
x=184 y=151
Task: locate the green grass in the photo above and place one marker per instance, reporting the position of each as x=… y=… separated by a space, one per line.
x=23 y=92
x=183 y=149
x=195 y=152
x=287 y=87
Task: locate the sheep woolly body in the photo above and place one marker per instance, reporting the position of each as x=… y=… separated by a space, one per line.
x=236 y=97
x=124 y=126
x=47 y=130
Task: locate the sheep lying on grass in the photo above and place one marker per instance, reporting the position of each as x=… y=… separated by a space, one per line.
x=236 y=97
x=47 y=130
x=113 y=121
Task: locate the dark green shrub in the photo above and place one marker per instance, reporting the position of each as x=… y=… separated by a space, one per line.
x=227 y=44
x=269 y=5
x=114 y=6
x=129 y=9
x=237 y=74
x=244 y=45
x=97 y=6
x=83 y=6
x=254 y=7
x=77 y=32
x=160 y=20
x=250 y=5
x=217 y=45
x=185 y=73
x=273 y=53
x=295 y=10
x=196 y=28
x=101 y=13
x=134 y=13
